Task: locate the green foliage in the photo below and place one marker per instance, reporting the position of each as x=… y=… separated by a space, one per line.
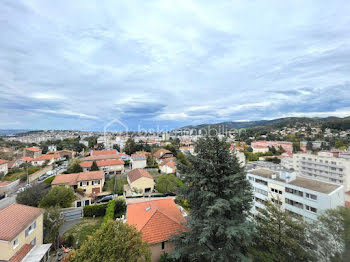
x=58 y=196
x=151 y=162
x=120 y=207
x=220 y=198
x=116 y=147
x=113 y=242
x=280 y=237
x=49 y=179
x=109 y=211
x=309 y=146
x=115 y=185
x=52 y=222
x=181 y=157
x=168 y=182
x=98 y=210
x=69 y=241
x=94 y=166
x=274 y=160
x=74 y=166
x=339 y=144
x=130 y=146
x=33 y=195
x=339 y=124
x=296 y=146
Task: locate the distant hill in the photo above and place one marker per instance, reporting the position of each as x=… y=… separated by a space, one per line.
x=272 y=124
x=5 y=132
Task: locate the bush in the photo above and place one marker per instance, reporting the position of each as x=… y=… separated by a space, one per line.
x=168 y=182
x=95 y=210
x=70 y=241
x=59 y=196
x=49 y=180
x=109 y=211
x=120 y=207
x=33 y=195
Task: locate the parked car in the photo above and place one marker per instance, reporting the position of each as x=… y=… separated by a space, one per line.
x=169 y=193
x=105 y=199
x=41 y=178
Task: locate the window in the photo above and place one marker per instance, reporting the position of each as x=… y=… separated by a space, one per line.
x=251 y=178
x=84 y=183
x=294 y=191
x=95 y=182
x=260 y=191
x=294 y=203
x=15 y=243
x=163 y=245
x=311 y=196
x=33 y=242
x=276 y=191
x=261 y=181
x=311 y=209
x=30 y=229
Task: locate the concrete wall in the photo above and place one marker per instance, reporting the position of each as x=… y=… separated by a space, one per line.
x=157 y=250
x=39 y=173
x=138 y=163
x=4 y=169
x=142 y=183
x=7 y=249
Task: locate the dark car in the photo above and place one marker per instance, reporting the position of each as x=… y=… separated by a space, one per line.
x=105 y=199
x=169 y=193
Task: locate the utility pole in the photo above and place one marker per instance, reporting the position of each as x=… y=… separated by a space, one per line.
x=27 y=172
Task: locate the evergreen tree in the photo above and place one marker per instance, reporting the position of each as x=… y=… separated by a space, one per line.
x=130 y=146
x=220 y=198
x=280 y=237
x=94 y=166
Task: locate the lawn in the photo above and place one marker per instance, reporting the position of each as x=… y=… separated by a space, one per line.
x=81 y=231
x=20 y=174
x=115 y=187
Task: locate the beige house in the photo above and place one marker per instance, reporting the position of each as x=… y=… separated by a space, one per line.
x=48 y=158
x=162 y=154
x=138 y=161
x=21 y=234
x=90 y=184
x=140 y=181
x=4 y=167
x=110 y=167
x=32 y=152
x=157 y=220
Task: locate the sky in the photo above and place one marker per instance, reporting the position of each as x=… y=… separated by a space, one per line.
x=95 y=65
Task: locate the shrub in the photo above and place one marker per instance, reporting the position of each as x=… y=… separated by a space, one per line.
x=70 y=241
x=33 y=195
x=80 y=191
x=95 y=210
x=60 y=196
x=109 y=211
x=120 y=207
x=49 y=180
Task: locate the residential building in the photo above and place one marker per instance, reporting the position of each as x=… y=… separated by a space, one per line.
x=52 y=148
x=287 y=146
x=157 y=220
x=21 y=234
x=68 y=154
x=32 y=152
x=138 y=160
x=88 y=184
x=103 y=152
x=110 y=167
x=187 y=149
x=168 y=167
x=49 y=159
x=324 y=166
x=4 y=167
x=102 y=157
x=300 y=196
x=139 y=182
x=162 y=154
x=259 y=149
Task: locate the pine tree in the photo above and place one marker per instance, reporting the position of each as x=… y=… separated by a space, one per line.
x=280 y=237
x=94 y=166
x=220 y=198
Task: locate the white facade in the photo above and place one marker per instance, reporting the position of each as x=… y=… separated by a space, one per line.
x=138 y=163
x=323 y=166
x=300 y=196
x=52 y=148
x=241 y=157
x=4 y=168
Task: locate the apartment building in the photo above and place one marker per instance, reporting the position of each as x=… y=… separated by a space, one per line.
x=300 y=196
x=21 y=234
x=324 y=166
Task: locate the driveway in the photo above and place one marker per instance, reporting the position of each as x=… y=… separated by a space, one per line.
x=68 y=225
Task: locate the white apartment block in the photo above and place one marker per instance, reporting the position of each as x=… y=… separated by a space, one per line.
x=323 y=166
x=300 y=196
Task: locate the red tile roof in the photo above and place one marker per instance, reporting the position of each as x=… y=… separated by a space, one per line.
x=34 y=149
x=27 y=158
x=47 y=157
x=161 y=152
x=5 y=183
x=101 y=157
x=21 y=253
x=73 y=179
x=111 y=162
x=157 y=220
x=138 y=173
x=103 y=152
x=2 y=161
x=15 y=218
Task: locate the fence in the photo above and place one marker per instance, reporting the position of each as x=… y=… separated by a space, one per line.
x=39 y=173
x=72 y=213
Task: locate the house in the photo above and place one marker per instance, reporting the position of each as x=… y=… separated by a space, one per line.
x=168 y=167
x=68 y=154
x=4 y=167
x=52 y=148
x=21 y=234
x=48 y=158
x=300 y=196
x=187 y=149
x=101 y=157
x=162 y=154
x=138 y=160
x=103 y=152
x=139 y=181
x=110 y=167
x=157 y=220
x=32 y=152
x=89 y=184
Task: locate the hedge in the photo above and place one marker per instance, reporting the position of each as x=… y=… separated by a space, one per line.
x=120 y=207
x=109 y=211
x=95 y=210
x=49 y=179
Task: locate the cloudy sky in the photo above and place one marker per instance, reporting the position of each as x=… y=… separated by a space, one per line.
x=84 y=64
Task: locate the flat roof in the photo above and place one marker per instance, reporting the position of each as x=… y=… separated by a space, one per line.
x=36 y=253
x=315 y=185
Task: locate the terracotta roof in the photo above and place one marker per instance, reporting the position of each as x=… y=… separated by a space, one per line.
x=73 y=179
x=21 y=253
x=138 y=173
x=103 y=152
x=27 y=158
x=161 y=152
x=34 y=149
x=5 y=183
x=157 y=220
x=47 y=157
x=101 y=157
x=111 y=162
x=15 y=218
x=2 y=161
